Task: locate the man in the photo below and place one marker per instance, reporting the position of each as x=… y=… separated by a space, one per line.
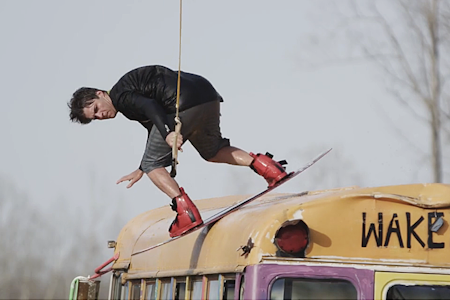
x=148 y=95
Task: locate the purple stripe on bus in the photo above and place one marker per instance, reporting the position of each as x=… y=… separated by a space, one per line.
x=258 y=278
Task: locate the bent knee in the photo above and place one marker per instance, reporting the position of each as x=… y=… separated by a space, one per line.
x=212 y=159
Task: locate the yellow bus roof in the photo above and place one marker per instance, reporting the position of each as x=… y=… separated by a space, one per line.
x=391 y=224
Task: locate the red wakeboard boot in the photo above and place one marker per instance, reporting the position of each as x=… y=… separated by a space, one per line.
x=271 y=170
x=187 y=217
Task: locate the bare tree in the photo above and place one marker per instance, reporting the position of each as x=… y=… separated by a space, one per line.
x=20 y=229
x=410 y=42
x=42 y=251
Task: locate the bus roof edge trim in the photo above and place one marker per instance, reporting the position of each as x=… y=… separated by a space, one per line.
x=410 y=200
x=181 y=273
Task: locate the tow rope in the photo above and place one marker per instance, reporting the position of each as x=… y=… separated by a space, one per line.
x=178 y=124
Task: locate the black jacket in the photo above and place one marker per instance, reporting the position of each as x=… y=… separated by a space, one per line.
x=148 y=94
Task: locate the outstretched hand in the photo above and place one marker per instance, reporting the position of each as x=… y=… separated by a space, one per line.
x=132 y=178
x=170 y=138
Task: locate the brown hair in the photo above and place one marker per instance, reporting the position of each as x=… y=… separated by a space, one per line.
x=82 y=98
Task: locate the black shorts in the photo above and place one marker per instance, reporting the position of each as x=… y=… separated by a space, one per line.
x=200 y=126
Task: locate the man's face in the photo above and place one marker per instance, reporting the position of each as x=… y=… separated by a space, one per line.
x=101 y=108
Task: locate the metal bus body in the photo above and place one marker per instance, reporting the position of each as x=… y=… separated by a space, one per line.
x=350 y=243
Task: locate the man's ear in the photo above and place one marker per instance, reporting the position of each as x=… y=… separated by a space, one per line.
x=99 y=93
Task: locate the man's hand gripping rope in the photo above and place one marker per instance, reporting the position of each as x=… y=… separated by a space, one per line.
x=175 y=139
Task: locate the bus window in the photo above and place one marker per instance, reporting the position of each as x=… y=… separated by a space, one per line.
x=306 y=288
x=135 y=290
x=197 y=289
x=228 y=289
x=125 y=291
x=180 y=291
x=423 y=292
x=165 y=290
x=150 y=291
x=116 y=286
x=213 y=288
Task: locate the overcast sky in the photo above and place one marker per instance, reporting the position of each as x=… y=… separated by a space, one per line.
x=249 y=50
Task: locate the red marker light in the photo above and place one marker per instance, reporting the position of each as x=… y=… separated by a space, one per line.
x=292 y=238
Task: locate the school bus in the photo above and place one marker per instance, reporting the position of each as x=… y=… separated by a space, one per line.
x=389 y=242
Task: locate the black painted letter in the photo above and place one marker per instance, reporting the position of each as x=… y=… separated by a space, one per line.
x=395 y=229
x=431 y=244
x=379 y=237
x=411 y=231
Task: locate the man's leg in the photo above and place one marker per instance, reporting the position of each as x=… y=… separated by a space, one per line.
x=233 y=156
x=188 y=215
x=263 y=165
x=161 y=178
